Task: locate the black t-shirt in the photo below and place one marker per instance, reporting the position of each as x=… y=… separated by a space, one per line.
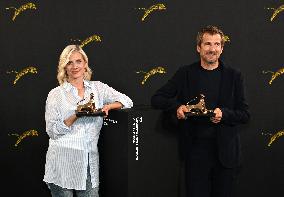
x=208 y=85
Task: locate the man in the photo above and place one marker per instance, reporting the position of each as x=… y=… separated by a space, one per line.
x=212 y=145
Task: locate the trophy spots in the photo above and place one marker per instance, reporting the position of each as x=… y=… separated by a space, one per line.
x=21 y=9
x=157 y=70
x=274 y=136
x=25 y=134
x=276 y=12
x=227 y=39
x=93 y=38
x=273 y=77
x=90 y=39
x=274 y=74
x=148 y=11
x=25 y=71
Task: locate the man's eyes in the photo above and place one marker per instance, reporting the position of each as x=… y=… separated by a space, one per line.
x=216 y=44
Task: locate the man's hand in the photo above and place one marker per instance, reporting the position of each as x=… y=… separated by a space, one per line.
x=218 y=116
x=180 y=112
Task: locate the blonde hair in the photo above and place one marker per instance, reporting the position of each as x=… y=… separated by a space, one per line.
x=64 y=59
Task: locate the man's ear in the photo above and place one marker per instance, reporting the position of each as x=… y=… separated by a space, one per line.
x=198 y=48
x=222 y=50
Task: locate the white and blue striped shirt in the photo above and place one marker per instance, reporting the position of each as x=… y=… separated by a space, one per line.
x=69 y=147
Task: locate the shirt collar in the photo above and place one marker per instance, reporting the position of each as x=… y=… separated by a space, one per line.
x=87 y=84
x=67 y=86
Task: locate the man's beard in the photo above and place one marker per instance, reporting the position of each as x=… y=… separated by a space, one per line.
x=210 y=61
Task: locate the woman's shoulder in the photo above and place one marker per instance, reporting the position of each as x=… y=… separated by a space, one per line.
x=97 y=84
x=55 y=91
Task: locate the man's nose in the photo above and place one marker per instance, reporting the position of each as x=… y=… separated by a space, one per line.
x=212 y=48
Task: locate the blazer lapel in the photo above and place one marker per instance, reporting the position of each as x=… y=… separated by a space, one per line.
x=193 y=78
x=225 y=86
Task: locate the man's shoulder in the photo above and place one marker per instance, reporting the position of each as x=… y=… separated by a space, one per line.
x=231 y=70
x=190 y=66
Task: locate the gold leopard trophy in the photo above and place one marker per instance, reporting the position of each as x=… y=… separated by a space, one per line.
x=89 y=109
x=199 y=109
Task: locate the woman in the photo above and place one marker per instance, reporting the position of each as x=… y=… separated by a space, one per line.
x=72 y=160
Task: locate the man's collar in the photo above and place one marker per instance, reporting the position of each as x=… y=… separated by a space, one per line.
x=220 y=65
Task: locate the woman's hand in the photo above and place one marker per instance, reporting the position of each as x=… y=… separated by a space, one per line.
x=115 y=105
x=105 y=109
x=69 y=121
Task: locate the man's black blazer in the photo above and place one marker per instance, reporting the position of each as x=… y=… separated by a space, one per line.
x=182 y=87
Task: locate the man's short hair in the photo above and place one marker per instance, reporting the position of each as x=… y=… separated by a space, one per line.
x=212 y=30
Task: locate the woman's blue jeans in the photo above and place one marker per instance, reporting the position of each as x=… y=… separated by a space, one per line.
x=57 y=191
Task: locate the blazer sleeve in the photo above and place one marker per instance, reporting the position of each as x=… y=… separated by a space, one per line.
x=239 y=114
x=165 y=97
